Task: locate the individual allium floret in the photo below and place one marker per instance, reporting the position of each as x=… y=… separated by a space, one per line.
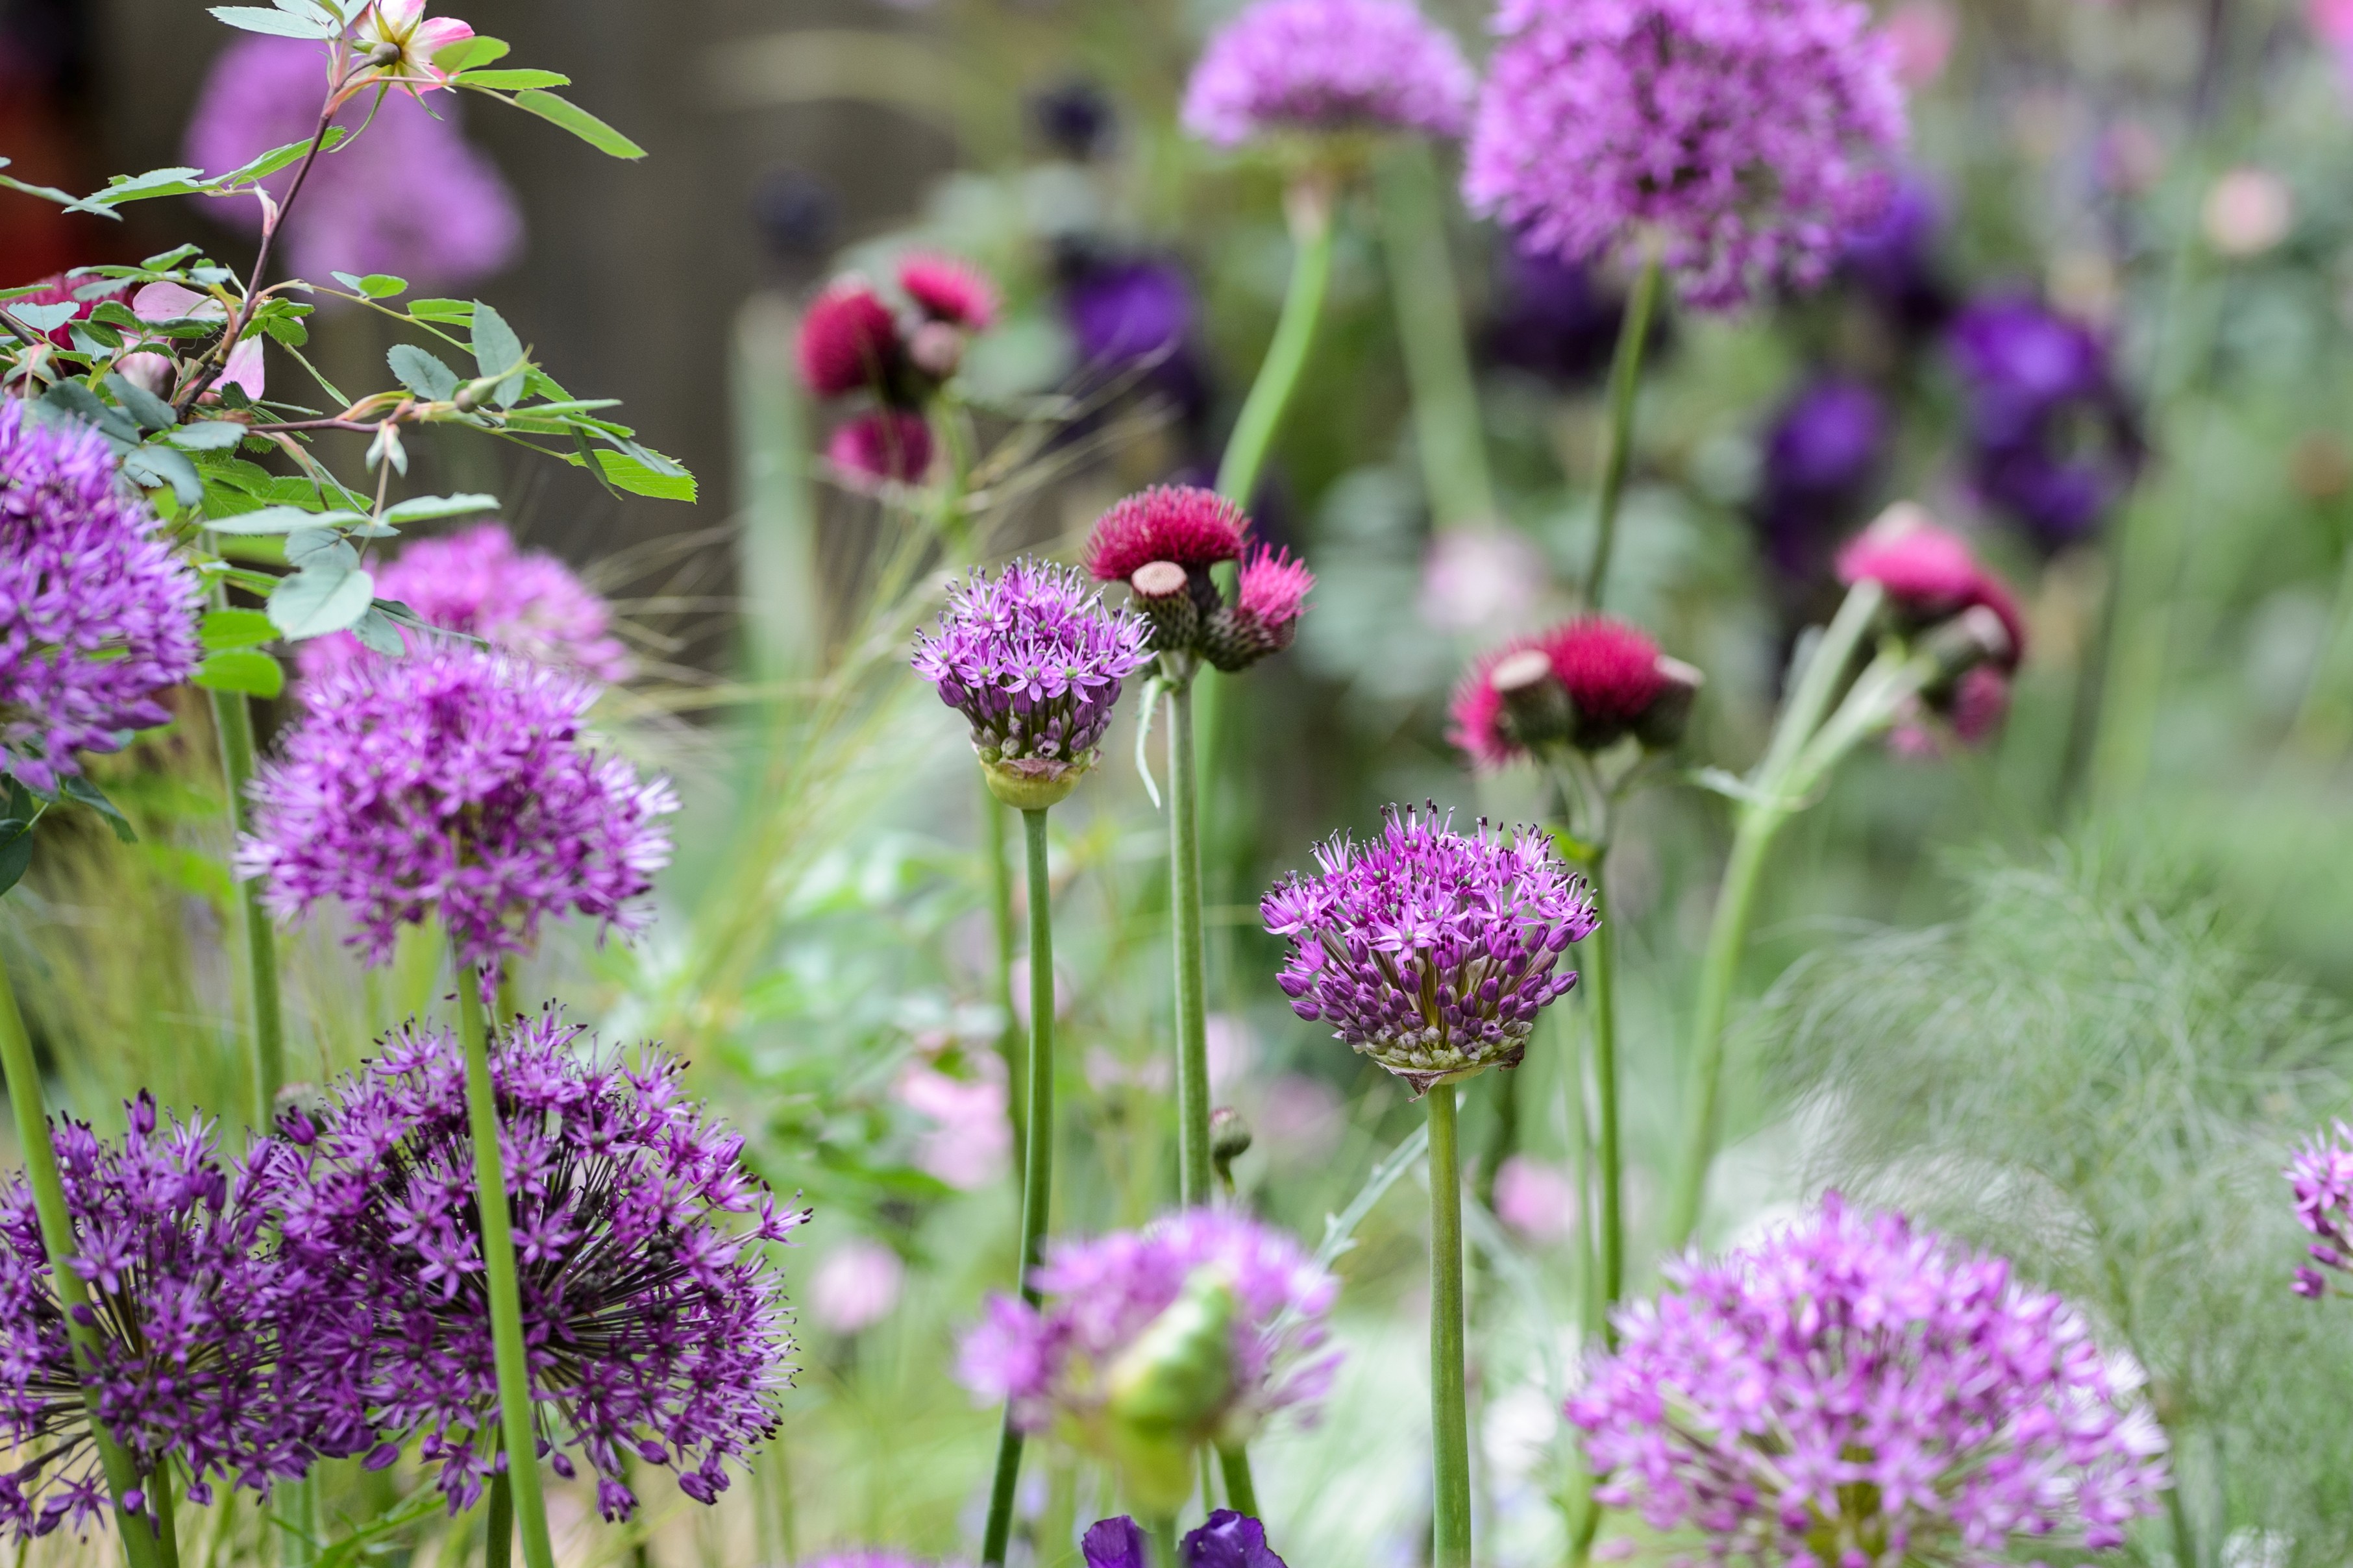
x=654 y=1314
x=1035 y=662
x=1852 y=1392
x=949 y=291
x=1587 y=683
x=849 y=341
x=2322 y=1175
x=1427 y=950
x=1196 y=1329
x=98 y=618
x=456 y=782
x=476 y=582
x=883 y=445
x=1327 y=65
x=1229 y=1539
x=211 y=1346
x=1749 y=137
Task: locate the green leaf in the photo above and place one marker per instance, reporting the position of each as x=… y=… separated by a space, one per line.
x=468 y=53
x=423 y=372
x=497 y=352
x=642 y=479
x=313 y=604
x=569 y=115
x=173 y=182
x=280 y=24
x=152 y=411
x=47 y=317
x=152 y=466
x=513 y=80
x=246 y=669
x=283 y=520
x=319 y=549
x=16 y=851
x=378 y=634
x=72 y=400
x=223 y=630
x=47 y=192
x=74 y=786
x=459 y=310
x=376 y=285
x=421 y=509
x=211 y=435
x=269 y=162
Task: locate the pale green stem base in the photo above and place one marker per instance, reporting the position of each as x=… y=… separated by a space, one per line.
x=1242 y=1489
x=1309 y=204
x=497 y=1523
x=1450 y=1418
x=1163 y=1531
x=499 y=1275
x=233 y=719
x=1597 y=971
x=1193 y=1172
x=999 y=853
x=1446 y=423
x=1038 y=1169
x=1625 y=381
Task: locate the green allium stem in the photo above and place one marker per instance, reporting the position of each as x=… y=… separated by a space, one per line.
x=1597 y=971
x=1450 y=1419
x=1625 y=381
x=498 y=1526
x=1192 y=982
x=1446 y=422
x=1309 y=204
x=144 y=1544
x=1241 y=1490
x=507 y=1343
x=1037 y=1167
x=1163 y=1531
x=999 y=853
x=233 y=719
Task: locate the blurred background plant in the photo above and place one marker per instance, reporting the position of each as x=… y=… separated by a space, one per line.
x=2102 y=332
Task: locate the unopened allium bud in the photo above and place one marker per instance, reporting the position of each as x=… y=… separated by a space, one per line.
x=1167 y=1389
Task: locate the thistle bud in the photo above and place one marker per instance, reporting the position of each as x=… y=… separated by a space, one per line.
x=1662 y=727
x=936 y=348
x=1536 y=711
x=1163 y=591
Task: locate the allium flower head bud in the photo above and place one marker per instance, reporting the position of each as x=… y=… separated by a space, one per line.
x=1035 y=663
x=949 y=291
x=1326 y=65
x=98 y=618
x=1852 y=1392
x=849 y=341
x=1427 y=950
x=1587 y=683
x=1749 y=137
x=476 y=582
x=456 y=782
x=654 y=1312
x=1196 y=1329
x=883 y=445
x=1930 y=575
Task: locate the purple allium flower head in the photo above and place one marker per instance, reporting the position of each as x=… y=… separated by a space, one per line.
x=1750 y=136
x=1327 y=65
x=98 y=618
x=1034 y=661
x=212 y=1346
x=476 y=581
x=410 y=196
x=1103 y=1341
x=456 y=782
x=1850 y=1393
x=1427 y=950
x=1229 y=1539
x=2052 y=442
x=2322 y=1175
x=658 y=1328
x=1823 y=457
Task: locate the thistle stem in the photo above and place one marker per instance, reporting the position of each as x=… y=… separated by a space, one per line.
x=1309 y=205
x=1446 y=421
x=1192 y=981
x=1241 y=1490
x=1625 y=380
x=1450 y=1420
x=233 y=719
x=507 y=1343
x=1038 y=1168
x=143 y=1543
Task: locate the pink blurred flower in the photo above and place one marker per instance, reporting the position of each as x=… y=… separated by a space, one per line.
x=1233 y=1049
x=170 y=302
x=1536 y=1199
x=970 y=1142
x=857 y=1286
x=1299 y=1119
x=1476 y=579
x=1921 y=33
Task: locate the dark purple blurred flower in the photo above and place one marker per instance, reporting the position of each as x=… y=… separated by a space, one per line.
x=1892 y=259
x=453 y=781
x=655 y=1316
x=1555 y=319
x=1075 y=117
x=1115 y=1543
x=1327 y=65
x=1427 y=950
x=1855 y=1393
x=1822 y=461
x=214 y=1351
x=1125 y=310
x=98 y=618
x=1229 y=1539
x=2052 y=442
x=410 y=196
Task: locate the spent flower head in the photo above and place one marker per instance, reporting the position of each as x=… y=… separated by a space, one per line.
x=1034 y=662
x=1427 y=950
x=456 y=783
x=655 y=1316
x=1197 y=1328
x=1321 y=65
x=98 y=618
x=1852 y=1392
x=1587 y=683
x=1744 y=139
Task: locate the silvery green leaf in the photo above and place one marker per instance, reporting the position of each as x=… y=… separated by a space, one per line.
x=278 y=24
x=498 y=352
x=378 y=634
x=282 y=520
x=211 y=435
x=152 y=411
x=153 y=466
x=313 y=604
x=310 y=548
x=44 y=317
x=423 y=372
x=421 y=509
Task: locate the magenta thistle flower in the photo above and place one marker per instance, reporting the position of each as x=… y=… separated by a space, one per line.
x=1930 y=575
x=1751 y=137
x=849 y=340
x=453 y=781
x=212 y=1349
x=947 y=290
x=657 y=1323
x=1613 y=678
x=2322 y=1175
x=98 y=618
x=1035 y=663
x=887 y=445
x=1269 y=594
x=1201 y=1327
x=1194 y=528
x=1852 y=1392
x=523 y=602
x=1427 y=950
x=1162 y=542
x=1327 y=65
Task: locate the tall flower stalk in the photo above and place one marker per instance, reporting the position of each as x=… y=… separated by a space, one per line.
x=1432 y=952
x=1625 y=382
x=1448 y=431
x=1035 y=665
